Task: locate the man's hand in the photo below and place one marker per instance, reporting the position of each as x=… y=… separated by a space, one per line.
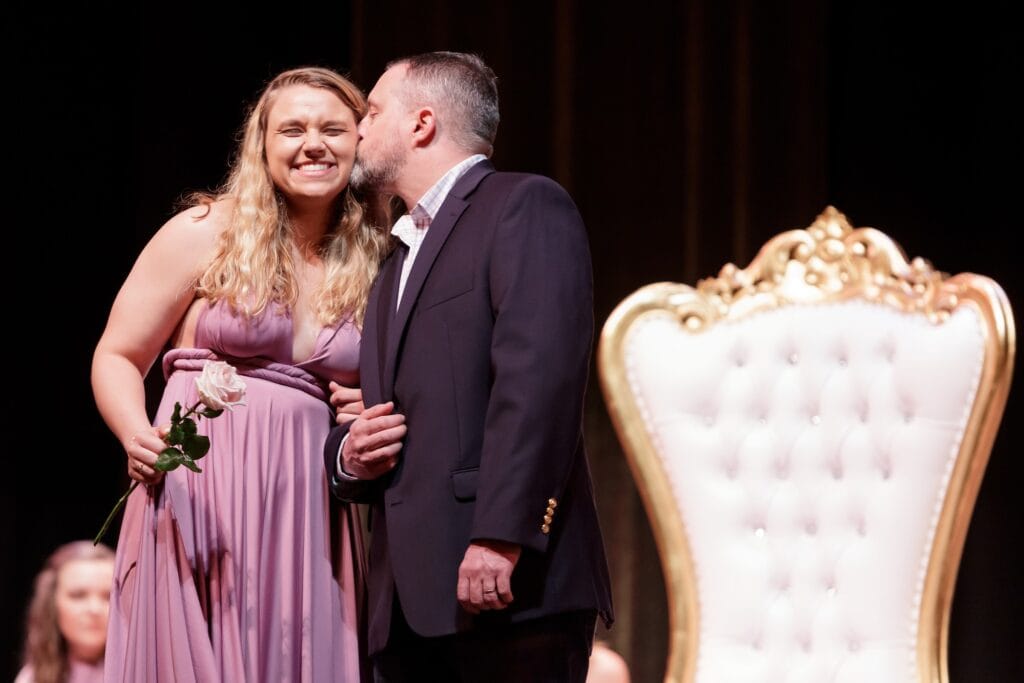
x=374 y=439
x=347 y=402
x=485 y=575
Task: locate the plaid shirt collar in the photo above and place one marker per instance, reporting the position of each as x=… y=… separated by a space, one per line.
x=412 y=227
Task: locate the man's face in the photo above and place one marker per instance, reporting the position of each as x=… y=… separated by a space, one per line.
x=381 y=153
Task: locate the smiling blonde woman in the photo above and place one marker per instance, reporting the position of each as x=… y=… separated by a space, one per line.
x=244 y=572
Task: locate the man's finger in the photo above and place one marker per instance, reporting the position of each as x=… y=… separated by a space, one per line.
x=378 y=410
x=462 y=593
x=476 y=593
x=379 y=457
x=379 y=424
x=363 y=427
x=378 y=440
x=491 y=597
x=504 y=587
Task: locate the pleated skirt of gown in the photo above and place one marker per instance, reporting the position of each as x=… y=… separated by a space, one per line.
x=247 y=572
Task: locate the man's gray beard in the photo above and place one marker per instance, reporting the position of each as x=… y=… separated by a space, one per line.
x=365 y=177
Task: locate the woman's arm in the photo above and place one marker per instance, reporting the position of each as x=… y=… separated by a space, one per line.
x=148 y=308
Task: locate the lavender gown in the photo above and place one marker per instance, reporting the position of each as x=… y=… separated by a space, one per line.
x=246 y=572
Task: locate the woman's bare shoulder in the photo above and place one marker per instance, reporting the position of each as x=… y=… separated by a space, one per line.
x=197 y=228
x=213 y=216
x=190 y=236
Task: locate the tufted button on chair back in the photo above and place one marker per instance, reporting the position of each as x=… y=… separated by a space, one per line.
x=808 y=435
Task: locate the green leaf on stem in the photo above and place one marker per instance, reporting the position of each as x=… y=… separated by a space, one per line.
x=196 y=446
x=190 y=463
x=210 y=412
x=188 y=426
x=169 y=459
x=175 y=435
x=176 y=415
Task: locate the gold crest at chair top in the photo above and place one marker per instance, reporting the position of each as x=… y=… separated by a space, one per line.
x=828 y=262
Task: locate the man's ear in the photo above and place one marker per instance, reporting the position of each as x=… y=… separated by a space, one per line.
x=424 y=126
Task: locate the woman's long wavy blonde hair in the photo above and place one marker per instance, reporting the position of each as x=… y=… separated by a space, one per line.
x=46 y=650
x=254 y=265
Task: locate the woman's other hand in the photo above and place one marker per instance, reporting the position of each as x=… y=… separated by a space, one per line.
x=347 y=402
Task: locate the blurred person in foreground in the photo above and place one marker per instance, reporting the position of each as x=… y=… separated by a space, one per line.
x=66 y=628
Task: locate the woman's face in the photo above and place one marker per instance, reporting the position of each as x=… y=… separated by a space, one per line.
x=83 y=603
x=310 y=143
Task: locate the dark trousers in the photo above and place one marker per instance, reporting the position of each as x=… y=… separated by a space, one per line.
x=553 y=649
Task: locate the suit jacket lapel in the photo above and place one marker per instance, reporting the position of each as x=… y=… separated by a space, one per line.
x=379 y=313
x=447 y=216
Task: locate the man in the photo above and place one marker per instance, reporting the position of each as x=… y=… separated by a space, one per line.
x=486 y=560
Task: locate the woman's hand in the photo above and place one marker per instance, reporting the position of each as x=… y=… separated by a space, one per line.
x=142 y=450
x=347 y=402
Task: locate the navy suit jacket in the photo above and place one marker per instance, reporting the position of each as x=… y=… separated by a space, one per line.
x=487 y=357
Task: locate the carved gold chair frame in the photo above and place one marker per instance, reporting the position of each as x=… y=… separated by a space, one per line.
x=828 y=261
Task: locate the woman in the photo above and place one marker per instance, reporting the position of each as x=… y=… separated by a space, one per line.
x=66 y=628
x=241 y=572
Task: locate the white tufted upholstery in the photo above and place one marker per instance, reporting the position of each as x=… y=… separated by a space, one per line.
x=804 y=444
x=808 y=450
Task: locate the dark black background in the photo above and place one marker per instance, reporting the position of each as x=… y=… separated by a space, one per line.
x=114 y=113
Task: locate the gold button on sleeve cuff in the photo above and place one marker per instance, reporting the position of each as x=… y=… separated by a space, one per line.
x=545 y=528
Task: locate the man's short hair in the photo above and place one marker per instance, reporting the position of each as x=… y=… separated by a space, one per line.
x=462 y=89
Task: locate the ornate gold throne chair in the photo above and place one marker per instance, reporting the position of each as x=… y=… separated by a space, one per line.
x=808 y=435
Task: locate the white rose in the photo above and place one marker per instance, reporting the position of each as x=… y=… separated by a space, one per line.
x=219 y=386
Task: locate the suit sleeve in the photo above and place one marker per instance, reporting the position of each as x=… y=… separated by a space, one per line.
x=347 y=490
x=542 y=299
